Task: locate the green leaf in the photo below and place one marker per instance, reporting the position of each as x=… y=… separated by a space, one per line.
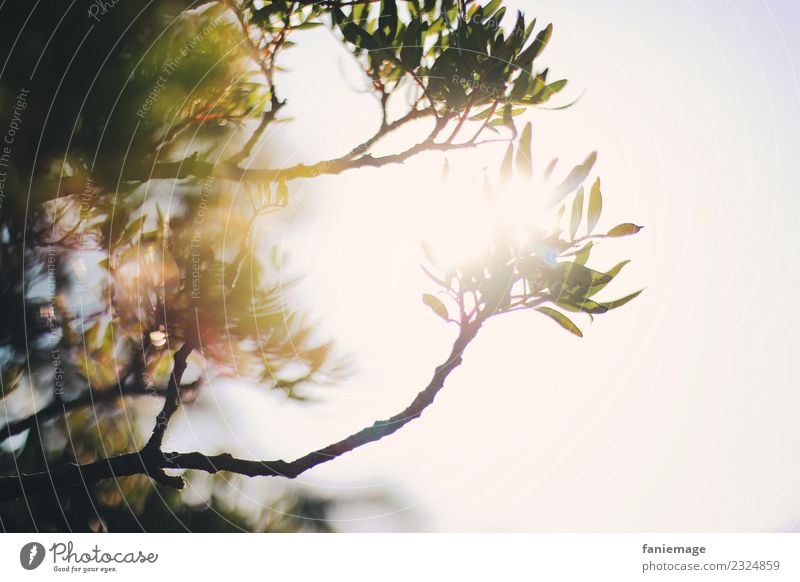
x=583 y=255
x=613 y=272
x=581 y=305
x=549 y=90
x=359 y=37
x=387 y=21
x=620 y=302
x=411 y=52
x=574 y=179
x=595 y=206
x=524 y=159
x=625 y=229
x=508 y=120
x=436 y=305
x=307 y=25
x=577 y=213
x=506 y=167
x=561 y=320
x=526 y=57
x=576 y=275
x=491 y=7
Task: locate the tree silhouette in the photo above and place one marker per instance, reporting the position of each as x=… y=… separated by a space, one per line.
x=122 y=234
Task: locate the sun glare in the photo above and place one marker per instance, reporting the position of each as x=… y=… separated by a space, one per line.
x=473 y=211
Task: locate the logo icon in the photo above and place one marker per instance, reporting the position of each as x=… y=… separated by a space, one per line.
x=31 y=555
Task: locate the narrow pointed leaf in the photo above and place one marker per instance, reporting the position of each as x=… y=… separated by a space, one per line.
x=524 y=158
x=576 y=275
x=577 y=213
x=561 y=320
x=436 y=305
x=582 y=256
x=620 y=302
x=508 y=120
x=581 y=305
x=526 y=57
x=595 y=206
x=613 y=272
x=625 y=229
x=574 y=179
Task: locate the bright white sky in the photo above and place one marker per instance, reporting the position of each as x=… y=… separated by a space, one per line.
x=677 y=412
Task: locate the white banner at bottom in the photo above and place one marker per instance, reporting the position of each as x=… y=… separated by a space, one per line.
x=388 y=557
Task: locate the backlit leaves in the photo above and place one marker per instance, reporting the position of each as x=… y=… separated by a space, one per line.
x=577 y=213
x=561 y=320
x=524 y=158
x=574 y=179
x=436 y=305
x=460 y=61
x=620 y=302
x=527 y=56
x=625 y=229
x=595 y=206
x=543 y=270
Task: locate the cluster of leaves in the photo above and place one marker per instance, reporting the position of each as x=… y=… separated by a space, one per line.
x=206 y=75
x=458 y=53
x=156 y=278
x=543 y=271
x=277 y=17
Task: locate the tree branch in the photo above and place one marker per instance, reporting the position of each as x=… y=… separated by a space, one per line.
x=152 y=461
x=171 y=397
x=266 y=118
x=194 y=168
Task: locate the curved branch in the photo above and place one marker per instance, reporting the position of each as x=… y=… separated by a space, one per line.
x=194 y=168
x=152 y=461
x=198 y=169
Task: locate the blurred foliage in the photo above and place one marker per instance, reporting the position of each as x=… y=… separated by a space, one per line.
x=104 y=271
x=136 y=504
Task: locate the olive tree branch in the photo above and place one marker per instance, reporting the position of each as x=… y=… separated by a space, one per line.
x=194 y=168
x=171 y=397
x=152 y=461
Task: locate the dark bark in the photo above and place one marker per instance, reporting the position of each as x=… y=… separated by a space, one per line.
x=152 y=461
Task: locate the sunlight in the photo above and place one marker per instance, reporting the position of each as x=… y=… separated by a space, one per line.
x=474 y=210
